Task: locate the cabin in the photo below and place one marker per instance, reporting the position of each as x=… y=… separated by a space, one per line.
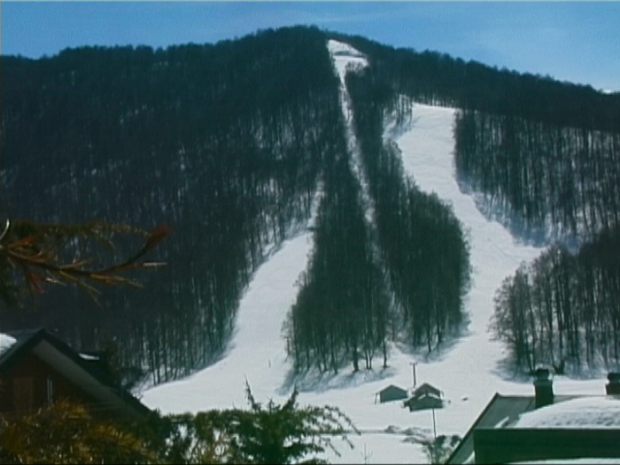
x=545 y=427
x=427 y=388
x=37 y=369
x=426 y=396
x=424 y=401
x=391 y=393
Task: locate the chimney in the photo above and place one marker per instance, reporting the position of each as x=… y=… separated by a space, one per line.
x=613 y=387
x=543 y=387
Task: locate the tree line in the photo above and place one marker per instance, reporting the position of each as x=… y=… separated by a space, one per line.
x=341 y=313
x=439 y=79
x=422 y=242
x=542 y=180
x=366 y=287
x=541 y=156
x=562 y=309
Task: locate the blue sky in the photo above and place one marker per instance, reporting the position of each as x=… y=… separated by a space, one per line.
x=577 y=42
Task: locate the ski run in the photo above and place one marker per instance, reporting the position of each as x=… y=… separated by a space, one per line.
x=468 y=371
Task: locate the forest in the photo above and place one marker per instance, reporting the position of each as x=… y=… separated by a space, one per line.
x=206 y=139
x=398 y=276
x=229 y=145
x=542 y=157
x=562 y=309
x=546 y=182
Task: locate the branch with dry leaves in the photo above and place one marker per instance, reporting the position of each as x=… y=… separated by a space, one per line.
x=37 y=255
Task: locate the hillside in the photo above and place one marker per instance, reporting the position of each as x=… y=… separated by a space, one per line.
x=467 y=371
x=340 y=210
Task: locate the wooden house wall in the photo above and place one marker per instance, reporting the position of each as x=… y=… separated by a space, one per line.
x=30 y=372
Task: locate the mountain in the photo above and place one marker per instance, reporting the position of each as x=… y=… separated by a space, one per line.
x=469 y=372
x=243 y=145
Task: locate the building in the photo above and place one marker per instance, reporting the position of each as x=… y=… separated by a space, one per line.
x=424 y=401
x=545 y=426
x=37 y=369
x=426 y=388
x=426 y=396
x=391 y=393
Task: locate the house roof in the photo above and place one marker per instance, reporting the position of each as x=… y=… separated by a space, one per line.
x=426 y=387
x=585 y=412
x=392 y=387
x=497 y=410
x=500 y=411
x=91 y=377
x=424 y=399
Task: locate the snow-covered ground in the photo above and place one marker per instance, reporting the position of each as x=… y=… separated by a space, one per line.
x=468 y=371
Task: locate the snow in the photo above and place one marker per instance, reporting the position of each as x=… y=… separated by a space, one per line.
x=468 y=371
x=6 y=342
x=345 y=58
x=257 y=353
x=587 y=412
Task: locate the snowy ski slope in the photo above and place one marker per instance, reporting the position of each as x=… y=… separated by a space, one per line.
x=467 y=371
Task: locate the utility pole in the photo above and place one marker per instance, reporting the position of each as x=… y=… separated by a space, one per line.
x=434 y=425
x=367 y=455
x=413 y=364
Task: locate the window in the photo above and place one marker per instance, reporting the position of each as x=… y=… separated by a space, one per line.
x=50 y=391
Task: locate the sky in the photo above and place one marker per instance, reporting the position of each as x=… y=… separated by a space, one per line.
x=570 y=41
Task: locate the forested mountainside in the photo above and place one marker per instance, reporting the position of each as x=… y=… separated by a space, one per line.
x=543 y=154
x=543 y=158
x=224 y=143
x=232 y=144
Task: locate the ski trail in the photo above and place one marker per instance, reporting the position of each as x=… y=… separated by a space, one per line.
x=427 y=154
x=466 y=371
x=257 y=352
x=347 y=59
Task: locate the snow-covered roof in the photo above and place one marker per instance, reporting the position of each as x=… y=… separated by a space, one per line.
x=392 y=387
x=6 y=342
x=585 y=412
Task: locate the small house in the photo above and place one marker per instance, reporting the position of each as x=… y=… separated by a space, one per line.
x=426 y=388
x=424 y=401
x=391 y=393
x=37 y=369
x=425 y=396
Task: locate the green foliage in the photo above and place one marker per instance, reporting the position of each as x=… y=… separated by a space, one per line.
x=273 y=433
x=68 y=433
x=438 y=450
x=277 y=434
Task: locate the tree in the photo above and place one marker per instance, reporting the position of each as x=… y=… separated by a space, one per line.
x=438 y=450
x=67 y=433
x=34 y=255
x=272 y=434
